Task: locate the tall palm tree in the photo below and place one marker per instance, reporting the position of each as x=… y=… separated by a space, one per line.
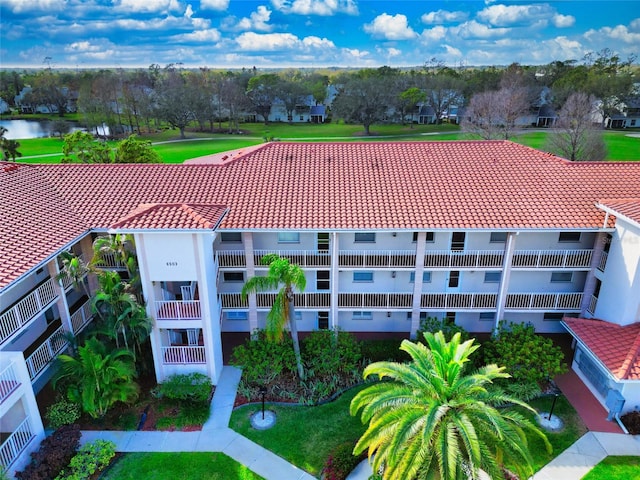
x=74 y=269
x=97 y=378
x=122 y=247
x=282 y=313
x=434 y=421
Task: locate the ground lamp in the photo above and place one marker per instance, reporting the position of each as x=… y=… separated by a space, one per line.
x=263 y=392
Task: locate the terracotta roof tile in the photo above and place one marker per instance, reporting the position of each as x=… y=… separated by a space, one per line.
x=377 y=185
x=617 y=347
x=629 y=207
x=172 y=216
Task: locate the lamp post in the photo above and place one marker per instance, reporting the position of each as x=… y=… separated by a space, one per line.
x=263 y=392
x=555 y=398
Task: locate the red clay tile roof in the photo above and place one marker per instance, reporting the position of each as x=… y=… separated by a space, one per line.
x=319 y=186
x=617 y=347
x=629 y=207
x=172 y=216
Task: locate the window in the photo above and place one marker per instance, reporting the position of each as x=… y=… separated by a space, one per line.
x=362 y=316
x=561 y=277
x=233 y=277
x=426 y=277
x=492 y=277
x=487 y=317
x=323 y=241
x=553 y=317
x=322 y=281
x=363 y=276
x=457 y=241
x=365 y=237
x=454 y=278
x=450 y=318
x=236 y=316
x=569 y=237
x=323 y=320
x=289 y=237
x=498 y=237
x=231 y=237
x=423 y=316
x=430 y=237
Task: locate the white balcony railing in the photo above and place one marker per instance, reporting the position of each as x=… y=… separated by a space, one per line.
x=232 y=258
x=543 y=301
x=552 y=259
x=183 y=355
x=15 y=443
x=26 y=309
x=303 y=258
x=593 y=302
x=375 y=300
x=464 y=259
x=603 y=261
x=178 y=310
x=460 y=301
x=46 y=353
x=81 y=317
x=109 y=260
x=8 y=382
x=377 y=258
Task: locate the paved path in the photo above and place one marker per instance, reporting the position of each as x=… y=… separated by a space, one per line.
x=215 y=436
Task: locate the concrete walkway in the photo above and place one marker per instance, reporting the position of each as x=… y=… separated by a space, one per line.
x=215 y=436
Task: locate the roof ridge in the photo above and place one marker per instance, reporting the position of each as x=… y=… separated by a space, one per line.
x=632 y=355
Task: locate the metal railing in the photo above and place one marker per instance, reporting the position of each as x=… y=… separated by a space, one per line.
x=602 y=264
x=463 y=301
x=15 y=443
x=178 y=310
x=183 y=355
x=552 y=259
x=464 y=259
x=232 y=258
x=543 y=301
x=377 y=258
x=593 y=302
x=8 y=382
x=109 y=260
x=303 y=258
x=375 y=300
x=81 y=317
x=46 y=353
x=26 y=309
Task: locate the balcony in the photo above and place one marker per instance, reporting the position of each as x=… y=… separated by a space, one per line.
x=303 y=258
x=8 y=382
x=593 y=302
x=27 y=309
x=232 y=258
x=178 y=310
x=464 y=259
x=377 y=259
x=602 y=264
x=552 y=259
x=81 y=317
x=543 y=301
x=15 y=443
x=459 y=301
x=375 y=300
x=109 y=261
x=46 y=353
x=183 y=355
x=265 y=300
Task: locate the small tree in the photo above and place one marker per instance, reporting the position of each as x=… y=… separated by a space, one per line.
x=132 y=150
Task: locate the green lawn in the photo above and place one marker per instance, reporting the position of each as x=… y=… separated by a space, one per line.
x=304 y=436
x=615 y=468
x=178 y=466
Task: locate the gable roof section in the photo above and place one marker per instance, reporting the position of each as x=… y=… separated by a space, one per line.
x=172 y=216
x=616 y=346
x=496 y=185
x=627 y=207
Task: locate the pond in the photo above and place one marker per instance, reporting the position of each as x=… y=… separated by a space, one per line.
x=23 y=129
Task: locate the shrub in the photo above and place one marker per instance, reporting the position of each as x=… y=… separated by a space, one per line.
x=631 y=421
x=325 y=352
x=527 y=357
x=384 y=350
x=187 y=388
x=54 y=454
x=433 y=325
x=91 y=458
x=341 y=462
x=262 y=361
x=63 y=412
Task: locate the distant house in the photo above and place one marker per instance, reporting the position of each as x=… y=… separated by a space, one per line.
x=547 y=116
x=4 y=106
x=318 y=114
x=628 y=118
x=426 y=115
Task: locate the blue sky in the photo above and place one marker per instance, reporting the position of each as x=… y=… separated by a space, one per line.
x=310 y=33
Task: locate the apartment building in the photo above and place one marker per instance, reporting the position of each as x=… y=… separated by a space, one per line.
x=387 y=234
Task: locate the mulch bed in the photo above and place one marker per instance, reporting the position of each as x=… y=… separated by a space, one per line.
x=631 y=421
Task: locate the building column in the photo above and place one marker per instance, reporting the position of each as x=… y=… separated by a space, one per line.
x=247 y=241
x=333 y=281
x=590 y=282
x=421 y=246
x=503 y=289
x=86 y=250
x=61 y=302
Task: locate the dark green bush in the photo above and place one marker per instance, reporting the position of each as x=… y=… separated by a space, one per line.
x=54 y=454
x=383 y=350
x=527 y=356
x=448 y=328
x=324 y=352
x=91 y=458
x=262 y=361
x=186 y=388
x=63 y=412
x=341 y=462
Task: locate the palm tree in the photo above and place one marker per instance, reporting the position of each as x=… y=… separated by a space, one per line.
x=97 y=378
x=433 y=421
x=290 y=276
x=122 y=247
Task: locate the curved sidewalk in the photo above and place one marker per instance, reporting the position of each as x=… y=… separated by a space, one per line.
x=215 y=436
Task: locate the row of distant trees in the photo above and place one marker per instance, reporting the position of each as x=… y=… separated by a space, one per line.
x=206 y=97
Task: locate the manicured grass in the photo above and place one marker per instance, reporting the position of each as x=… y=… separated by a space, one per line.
x=304 y=436
x=178 y=152
x=178 y=466
x=615 y=468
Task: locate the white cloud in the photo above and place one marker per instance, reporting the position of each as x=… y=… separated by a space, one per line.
x=452 y=51
x=214 y=4
x=505 y=15
x=563 y=21
x=19 y=6
x=258 y=20
x=473 y=29
x=635 y=24
x=147 y=6
x=81 y=47
x=619 y=33
x=390 y=27
x=323 y=8
x=433 y=34
x=317 y=42
x=443 y=16
x=200 y=36
x=270 y=42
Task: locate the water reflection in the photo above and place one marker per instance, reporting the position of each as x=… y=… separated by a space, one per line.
x=23 y=129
